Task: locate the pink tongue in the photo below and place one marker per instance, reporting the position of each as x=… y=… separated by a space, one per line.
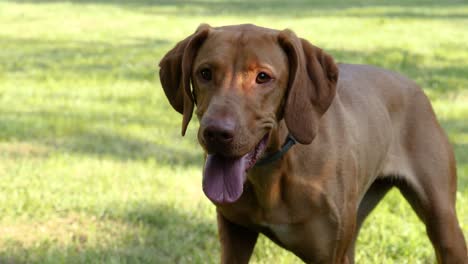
x=223 y=178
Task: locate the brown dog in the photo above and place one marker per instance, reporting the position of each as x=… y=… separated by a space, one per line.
x=361 y=129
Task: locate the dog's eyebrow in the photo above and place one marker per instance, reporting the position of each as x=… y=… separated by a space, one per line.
x=208 y=63
x=263 y=66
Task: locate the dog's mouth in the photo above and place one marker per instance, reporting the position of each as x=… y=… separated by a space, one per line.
x=224 y=177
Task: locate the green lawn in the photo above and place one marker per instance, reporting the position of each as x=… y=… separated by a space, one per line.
x=92 y=165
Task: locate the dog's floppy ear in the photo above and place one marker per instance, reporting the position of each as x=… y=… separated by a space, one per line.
x=311 y=88
x=175 y=70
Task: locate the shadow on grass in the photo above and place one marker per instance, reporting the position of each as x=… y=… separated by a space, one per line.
x=438 y=80
x=51 y=131
x=131 y=59
x=126 y=148
x=146 y=233
x=295 y=8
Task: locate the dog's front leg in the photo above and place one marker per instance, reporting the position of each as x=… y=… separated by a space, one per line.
x=237 y=242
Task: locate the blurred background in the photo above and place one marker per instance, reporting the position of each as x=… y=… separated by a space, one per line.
x=92 y=165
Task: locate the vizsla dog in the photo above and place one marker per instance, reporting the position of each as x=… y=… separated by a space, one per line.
x=360 y=131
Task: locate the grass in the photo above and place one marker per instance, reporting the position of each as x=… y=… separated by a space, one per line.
x=92 y=167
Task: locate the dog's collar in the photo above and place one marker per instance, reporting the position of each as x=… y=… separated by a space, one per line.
x=288 y=143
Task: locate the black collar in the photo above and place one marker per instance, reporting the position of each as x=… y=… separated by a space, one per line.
x=288 y=143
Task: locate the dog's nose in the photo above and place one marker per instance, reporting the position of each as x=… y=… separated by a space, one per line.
x=219 y=132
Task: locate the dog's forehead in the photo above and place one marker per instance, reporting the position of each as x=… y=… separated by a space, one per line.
x=244 y=34
x=242 y=42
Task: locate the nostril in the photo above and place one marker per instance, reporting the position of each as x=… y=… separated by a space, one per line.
x=226 y=136
x=209 y=135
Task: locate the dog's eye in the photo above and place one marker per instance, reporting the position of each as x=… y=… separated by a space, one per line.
x=262 y=78
x=206 y=74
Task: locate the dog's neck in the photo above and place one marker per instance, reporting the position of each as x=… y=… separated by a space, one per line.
x=289 y=141
x=267 y=180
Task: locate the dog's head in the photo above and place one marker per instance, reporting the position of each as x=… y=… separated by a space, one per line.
x=244 y=80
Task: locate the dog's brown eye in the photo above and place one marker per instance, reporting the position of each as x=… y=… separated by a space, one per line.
x=206 y=74
x=262 y=78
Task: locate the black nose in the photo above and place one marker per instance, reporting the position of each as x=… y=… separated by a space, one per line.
x=219 y=132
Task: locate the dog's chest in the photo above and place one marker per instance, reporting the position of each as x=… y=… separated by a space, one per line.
x=283 y=232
